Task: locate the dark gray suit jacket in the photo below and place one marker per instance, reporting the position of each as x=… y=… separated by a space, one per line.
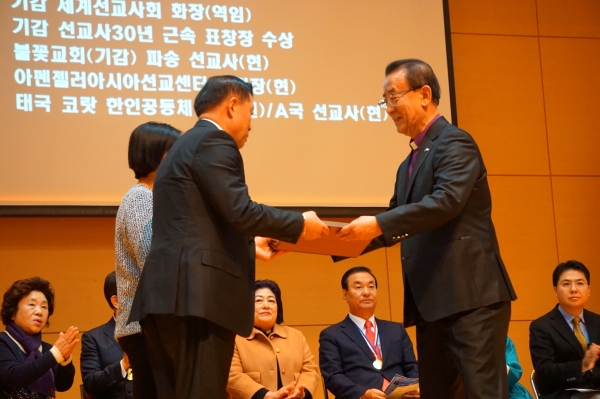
x=346 y=361
x=450 y=257
x=101 y=364
x=557 y=355
x=202 y=256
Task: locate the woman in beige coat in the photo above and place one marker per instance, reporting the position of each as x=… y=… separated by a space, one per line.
x=274 y=362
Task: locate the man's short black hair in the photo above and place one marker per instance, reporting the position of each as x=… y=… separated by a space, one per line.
x=417 y=74
x=569 y=265
x=110 y=288
x=217 y=88
x=272 y=285
x=21 y=288
x=354 y=270
x=148 y=144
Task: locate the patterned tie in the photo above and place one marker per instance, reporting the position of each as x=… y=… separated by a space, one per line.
x=578 y=334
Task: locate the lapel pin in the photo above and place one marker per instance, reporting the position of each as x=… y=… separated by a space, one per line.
x=426 y=149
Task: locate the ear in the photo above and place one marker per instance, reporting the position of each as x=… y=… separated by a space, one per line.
x=115 y=301
x=425 y=95
x=232 y=104
x=555 y=292
x=344 y=295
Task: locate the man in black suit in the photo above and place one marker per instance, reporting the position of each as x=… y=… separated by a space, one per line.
x=456 y=288
x=197 y=288
x=564 y=343
x=360 y=355
x=104 y=366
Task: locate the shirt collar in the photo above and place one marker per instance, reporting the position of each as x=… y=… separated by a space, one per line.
x=417 y=140
x=213 y=122
x=569 y=317
x=359 y=321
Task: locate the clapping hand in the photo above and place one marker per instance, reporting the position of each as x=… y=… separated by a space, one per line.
x=66 y=342
x=125 y=361
x=591 y=356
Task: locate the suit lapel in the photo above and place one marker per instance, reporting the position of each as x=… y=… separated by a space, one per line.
x=352 y=332
x=384 y=339
x=402 y=184
x=109 y=330
x=592 y=324
x=423 y=151
x=562 y=327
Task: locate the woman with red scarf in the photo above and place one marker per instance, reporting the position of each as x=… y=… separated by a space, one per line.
x=29 y=367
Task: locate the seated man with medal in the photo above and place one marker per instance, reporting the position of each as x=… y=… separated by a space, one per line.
x=360 y=355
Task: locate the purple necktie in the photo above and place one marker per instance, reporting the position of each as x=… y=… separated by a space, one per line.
x=413 y=157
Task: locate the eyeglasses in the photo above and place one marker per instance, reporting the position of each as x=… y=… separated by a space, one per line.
x=395 y=97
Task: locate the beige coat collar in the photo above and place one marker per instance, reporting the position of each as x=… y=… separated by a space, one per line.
x=277 y=331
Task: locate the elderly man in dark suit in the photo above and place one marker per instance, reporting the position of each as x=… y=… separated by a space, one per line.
x=197 y=288
x=104 y=366
x=456 y=288
x=565 y=343
x=360 y=355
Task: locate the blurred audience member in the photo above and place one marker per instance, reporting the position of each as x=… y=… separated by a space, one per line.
x=271 y=347
x=514 y=370
x=360 y=355
x=29 y=367
x=105 y=368
x=564 y=343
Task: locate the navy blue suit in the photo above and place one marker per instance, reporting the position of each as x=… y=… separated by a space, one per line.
x=101 y=364
x=346 y=360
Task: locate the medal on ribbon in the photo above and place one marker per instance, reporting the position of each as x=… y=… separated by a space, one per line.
x=375 y=349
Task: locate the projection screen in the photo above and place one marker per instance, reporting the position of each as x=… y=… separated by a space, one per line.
x=79 y=75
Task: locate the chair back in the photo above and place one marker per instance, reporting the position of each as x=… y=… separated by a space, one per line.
x=325 y=393
x=535 y=391
x=84 y=394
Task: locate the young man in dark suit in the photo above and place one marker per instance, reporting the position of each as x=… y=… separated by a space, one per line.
x=456 y=288
x=197 y=287
x=104 y=366
x=360 y=355
x=564 y=343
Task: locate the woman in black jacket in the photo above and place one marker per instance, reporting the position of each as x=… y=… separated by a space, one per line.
x=30 y=368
